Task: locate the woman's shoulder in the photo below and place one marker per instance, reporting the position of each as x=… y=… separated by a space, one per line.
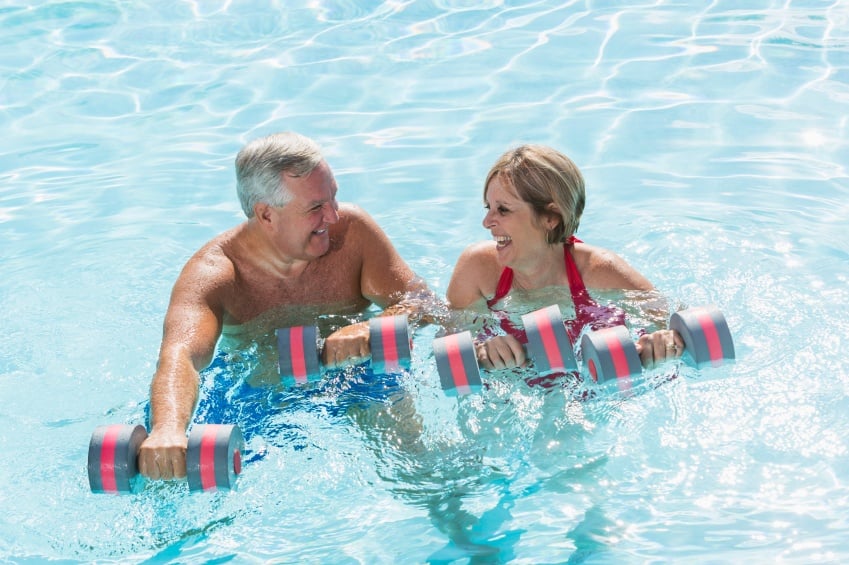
x=602 y=268
x=481 y=256
x=475 y=275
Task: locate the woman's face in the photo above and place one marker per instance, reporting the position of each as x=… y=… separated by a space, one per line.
x=518 y=232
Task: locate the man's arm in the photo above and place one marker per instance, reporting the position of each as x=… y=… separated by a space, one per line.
x=386 y=280
x=192 y=327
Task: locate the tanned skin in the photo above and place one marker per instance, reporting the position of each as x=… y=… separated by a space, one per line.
x=312 y=251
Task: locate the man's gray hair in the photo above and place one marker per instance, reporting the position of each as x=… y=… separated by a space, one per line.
x=261 y=164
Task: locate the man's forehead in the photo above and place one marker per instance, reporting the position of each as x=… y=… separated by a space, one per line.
x=318 y=185
x=321 y=168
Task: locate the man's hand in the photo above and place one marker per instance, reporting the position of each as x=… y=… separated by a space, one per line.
x=347 y=345
x=163 y=455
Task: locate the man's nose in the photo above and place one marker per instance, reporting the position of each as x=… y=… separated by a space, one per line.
x=331 y=214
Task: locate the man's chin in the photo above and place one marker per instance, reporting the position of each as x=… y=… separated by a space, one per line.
x=319 y=245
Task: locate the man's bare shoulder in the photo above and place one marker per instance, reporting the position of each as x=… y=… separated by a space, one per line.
x=212 y=265
x=357 y=229
x=354 y=216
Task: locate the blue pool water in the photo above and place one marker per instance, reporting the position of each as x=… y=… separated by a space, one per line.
x=713 y=138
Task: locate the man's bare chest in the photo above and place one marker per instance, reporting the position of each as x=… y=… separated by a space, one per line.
x=328 y=283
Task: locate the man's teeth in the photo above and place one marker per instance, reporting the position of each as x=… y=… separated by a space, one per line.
x=502 y=239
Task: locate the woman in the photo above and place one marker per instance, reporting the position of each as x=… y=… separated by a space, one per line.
x=534 y=197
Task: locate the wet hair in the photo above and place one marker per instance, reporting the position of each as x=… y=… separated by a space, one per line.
x=542 y=176
x=260 y=166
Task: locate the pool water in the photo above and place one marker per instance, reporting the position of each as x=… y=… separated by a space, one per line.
x=713 y=139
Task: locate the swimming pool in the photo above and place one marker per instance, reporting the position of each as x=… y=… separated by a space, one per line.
x=713 y=141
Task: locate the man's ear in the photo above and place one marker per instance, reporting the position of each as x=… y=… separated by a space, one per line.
x=262 y=212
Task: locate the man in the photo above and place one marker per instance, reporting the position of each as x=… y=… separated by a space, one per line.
x=299 y=246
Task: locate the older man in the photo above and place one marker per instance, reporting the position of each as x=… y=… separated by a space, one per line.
x=299 y=246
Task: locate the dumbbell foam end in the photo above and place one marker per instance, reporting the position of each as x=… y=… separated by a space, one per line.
x=390 y=342
x=610 y=353
x=214 y=457
x=298 y=353
x=548 y=342
x=113 y=458
x=706 y=336
x=457 y=364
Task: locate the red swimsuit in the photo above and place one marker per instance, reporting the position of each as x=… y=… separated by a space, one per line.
x=587 y=311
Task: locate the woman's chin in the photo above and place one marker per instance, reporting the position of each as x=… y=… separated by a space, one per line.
x=504 y=252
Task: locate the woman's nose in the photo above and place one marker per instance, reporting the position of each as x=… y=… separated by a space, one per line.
x=487 y=219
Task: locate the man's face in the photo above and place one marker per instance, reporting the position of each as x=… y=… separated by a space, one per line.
x=302 y=224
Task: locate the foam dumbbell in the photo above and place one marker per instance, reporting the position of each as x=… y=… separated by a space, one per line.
x=548 y=346
x=611 y=353
x=299 y=354
x=213 y=457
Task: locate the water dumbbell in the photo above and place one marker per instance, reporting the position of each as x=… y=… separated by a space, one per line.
x=299 y=354
x=548 y=345
x=213 y=457
x=611 y=353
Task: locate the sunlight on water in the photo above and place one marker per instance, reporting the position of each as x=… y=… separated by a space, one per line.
x=712 y=139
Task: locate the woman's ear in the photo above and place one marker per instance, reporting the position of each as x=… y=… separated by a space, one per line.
x=554 y=216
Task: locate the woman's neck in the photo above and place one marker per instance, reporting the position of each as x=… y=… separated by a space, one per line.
x=545 y=269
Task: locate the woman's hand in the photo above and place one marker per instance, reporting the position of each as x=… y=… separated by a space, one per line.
x=500 y=352
x=659 y=346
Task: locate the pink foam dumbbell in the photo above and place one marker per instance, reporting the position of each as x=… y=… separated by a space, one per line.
x=299 y=353
x=213 y=457
x=548 y=346
x=611 y=353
